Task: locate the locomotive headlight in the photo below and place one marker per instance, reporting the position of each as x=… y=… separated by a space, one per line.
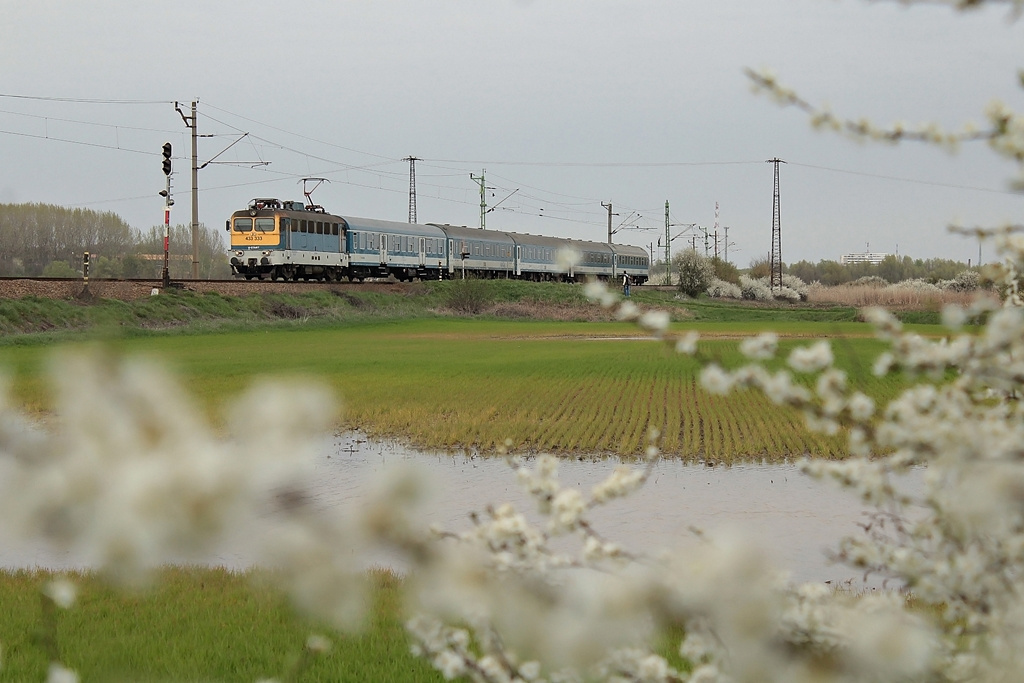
x=238 y=253
x=266 y=253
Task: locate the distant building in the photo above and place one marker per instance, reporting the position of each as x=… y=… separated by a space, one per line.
x=874 y=258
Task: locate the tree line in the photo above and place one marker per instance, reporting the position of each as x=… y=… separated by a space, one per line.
x=49 y=241
x=892 y=269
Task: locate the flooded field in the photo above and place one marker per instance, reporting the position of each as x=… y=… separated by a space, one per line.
x=794 y=517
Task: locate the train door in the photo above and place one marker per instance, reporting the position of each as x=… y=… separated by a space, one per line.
x=383 y=249
x=423 y=252
x=615 y=266
x=519 y=258
x=451 y=256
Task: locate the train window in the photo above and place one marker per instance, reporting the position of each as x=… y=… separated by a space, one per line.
x=243 y=225
x=302 y=226
x=293 y=224
x=264 y=225
x=319 y=227
x=334 y=228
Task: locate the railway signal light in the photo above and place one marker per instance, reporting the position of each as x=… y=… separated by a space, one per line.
x=167 y=158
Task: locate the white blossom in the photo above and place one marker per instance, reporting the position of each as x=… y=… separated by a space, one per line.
x=655 y=321
x=57 y=673
x=62 y=591
x=568 y=258
x=811 y=358
x=761 y=347
x=687 y=343
x=715 y=379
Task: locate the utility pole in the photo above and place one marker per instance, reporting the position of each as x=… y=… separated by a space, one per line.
x=668 y=249
x=190 y=122
x=412 y=187
x=726 y=229
x=483 y=196
x=775 y=260
x=610 y=214
x=716 y=230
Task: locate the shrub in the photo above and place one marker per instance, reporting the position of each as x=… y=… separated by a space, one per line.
x=755 y=289
x=468 y=296
x=965 y=281
x=725 y=271
x=60 y=269
x=759 y=267
x=870 y=281
x=719 y=289
x=916 y=285
x=695 y=272
x=798 y=286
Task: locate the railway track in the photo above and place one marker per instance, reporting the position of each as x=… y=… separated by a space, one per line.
x=137 y=288
x=127 y=289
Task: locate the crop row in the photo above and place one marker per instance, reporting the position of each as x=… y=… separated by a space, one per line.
x=469 y=385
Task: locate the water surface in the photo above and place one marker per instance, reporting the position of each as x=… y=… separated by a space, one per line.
x=795 y=518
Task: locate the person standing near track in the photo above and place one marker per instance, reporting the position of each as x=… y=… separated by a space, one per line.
x=625 y=284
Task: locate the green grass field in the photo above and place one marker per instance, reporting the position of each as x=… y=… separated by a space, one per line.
x=196 y=625
x=458 y=383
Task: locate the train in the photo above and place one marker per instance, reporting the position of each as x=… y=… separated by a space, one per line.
x=294 y=240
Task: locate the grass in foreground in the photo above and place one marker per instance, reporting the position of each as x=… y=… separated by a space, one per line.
x=197 y=624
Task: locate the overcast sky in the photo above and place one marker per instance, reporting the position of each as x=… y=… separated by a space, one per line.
x=565 y=103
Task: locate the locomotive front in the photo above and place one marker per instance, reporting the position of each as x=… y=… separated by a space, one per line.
x=255 y=235
x=287 y=241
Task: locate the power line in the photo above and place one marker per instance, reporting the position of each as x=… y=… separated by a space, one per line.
x=77 y=142
x=584 y=164
x=83 y=100
x=287 y=132
x=87 y=123
x=904 y=180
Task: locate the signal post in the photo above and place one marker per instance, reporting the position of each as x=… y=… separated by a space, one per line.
x=168 y=203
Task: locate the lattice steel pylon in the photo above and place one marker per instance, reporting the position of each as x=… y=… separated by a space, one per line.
x=775 y=261
x=412 y=187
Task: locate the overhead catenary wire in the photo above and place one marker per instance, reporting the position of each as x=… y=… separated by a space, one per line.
x=82 y=100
